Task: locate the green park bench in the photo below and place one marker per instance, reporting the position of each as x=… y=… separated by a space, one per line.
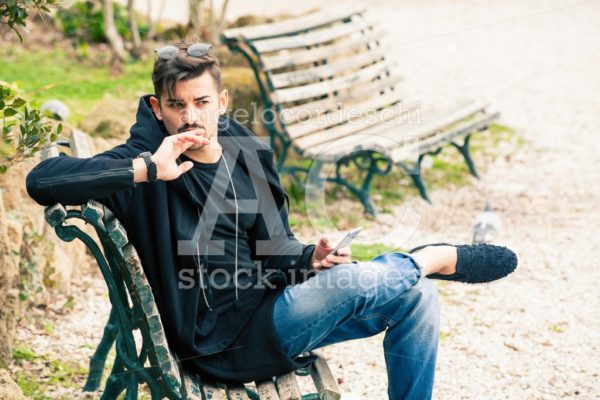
x=332 y=96
x=144 y=356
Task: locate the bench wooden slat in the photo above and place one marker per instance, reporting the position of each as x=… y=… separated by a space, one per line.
x=288 y=388
x=383 y=136
x=237 y=392
x=210 y=391
x=290 y=25
x=94 y=211
x=80 y=146
x=191 y=384
x=406 y=148
x=319 y=89
x=372 y=124
x=433 y=142
x=115 y=229
x=326 y=71
x=308 y=110
x=311 y=38
x=316 y=54
x=323 y=378
x=55 y=214
x=347 y=115
x=267 y=390
x=159 y=353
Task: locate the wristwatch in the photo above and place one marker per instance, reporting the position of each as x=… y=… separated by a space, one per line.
x=150 y=165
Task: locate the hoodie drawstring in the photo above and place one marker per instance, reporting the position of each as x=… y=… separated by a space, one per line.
x=236 y=226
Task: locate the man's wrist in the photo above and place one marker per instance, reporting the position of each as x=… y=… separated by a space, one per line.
x=140 y=171
x=151 y=168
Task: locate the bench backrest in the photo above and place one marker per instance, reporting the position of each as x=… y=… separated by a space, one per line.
x=320 y=72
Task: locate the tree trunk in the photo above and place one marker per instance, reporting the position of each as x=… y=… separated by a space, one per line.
x=195 y=21
x=137 y=50
x=221 y=24
x=153 y=22
x=115 y=40
x=210 y=24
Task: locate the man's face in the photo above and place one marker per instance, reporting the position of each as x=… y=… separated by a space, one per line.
x=196 y=105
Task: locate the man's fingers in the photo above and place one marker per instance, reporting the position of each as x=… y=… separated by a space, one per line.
x=334 y=260
x=195 y=132
x=185 y=166
x=186 y=145
x=324 y=242
x=187 y=136
x=337 y=259
x=344 y=251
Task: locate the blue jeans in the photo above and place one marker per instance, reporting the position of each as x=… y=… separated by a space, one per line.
x=361 y=299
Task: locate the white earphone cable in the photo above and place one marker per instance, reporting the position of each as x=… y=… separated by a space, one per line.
x=236 y=225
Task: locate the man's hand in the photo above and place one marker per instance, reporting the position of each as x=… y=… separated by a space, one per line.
x=166 y=155
x=320 y=258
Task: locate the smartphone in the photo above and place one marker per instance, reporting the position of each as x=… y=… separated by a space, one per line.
x=346 y=240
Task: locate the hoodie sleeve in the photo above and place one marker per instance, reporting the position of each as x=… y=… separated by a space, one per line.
x=106 y=177
x=284 y=251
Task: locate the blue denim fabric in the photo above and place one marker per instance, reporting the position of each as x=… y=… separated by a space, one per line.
x=361 y=299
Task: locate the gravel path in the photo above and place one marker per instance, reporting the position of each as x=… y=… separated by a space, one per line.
x=535 y=335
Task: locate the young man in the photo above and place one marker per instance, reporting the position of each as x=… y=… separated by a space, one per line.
x=240 y=298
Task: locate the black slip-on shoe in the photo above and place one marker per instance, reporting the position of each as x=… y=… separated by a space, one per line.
x=478 y=263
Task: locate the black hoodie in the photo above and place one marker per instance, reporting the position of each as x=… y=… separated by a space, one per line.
x=236 y=339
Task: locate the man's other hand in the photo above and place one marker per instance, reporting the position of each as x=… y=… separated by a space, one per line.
x=320 y=258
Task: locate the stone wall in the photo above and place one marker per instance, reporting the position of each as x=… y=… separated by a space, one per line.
x=35 y=264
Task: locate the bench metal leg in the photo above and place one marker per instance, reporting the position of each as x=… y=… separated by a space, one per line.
x=132 y=388
x=295 y=172
x=98 y=360
x=415 y=175
x=420 y=184
x=116 y=382
x=371 y=163
x=464 y=150
x=124 y=374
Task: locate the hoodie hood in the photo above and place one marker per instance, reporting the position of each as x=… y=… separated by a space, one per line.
x=148 y=132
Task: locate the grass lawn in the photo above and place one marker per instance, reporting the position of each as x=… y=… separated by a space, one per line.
x=54 y=74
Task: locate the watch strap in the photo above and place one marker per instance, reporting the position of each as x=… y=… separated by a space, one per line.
x=151 y=166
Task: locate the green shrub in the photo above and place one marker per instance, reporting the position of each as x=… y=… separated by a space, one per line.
x=14 y=13
x=23 y=130
x=84 y=21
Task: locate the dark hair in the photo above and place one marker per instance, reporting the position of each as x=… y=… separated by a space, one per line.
x=182 y=66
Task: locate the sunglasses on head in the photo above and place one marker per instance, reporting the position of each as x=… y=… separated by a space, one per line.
x=196 y=50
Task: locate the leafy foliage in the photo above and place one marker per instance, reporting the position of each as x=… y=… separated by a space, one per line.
x=84 y=21
x=23 y=131
x=15 y=12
